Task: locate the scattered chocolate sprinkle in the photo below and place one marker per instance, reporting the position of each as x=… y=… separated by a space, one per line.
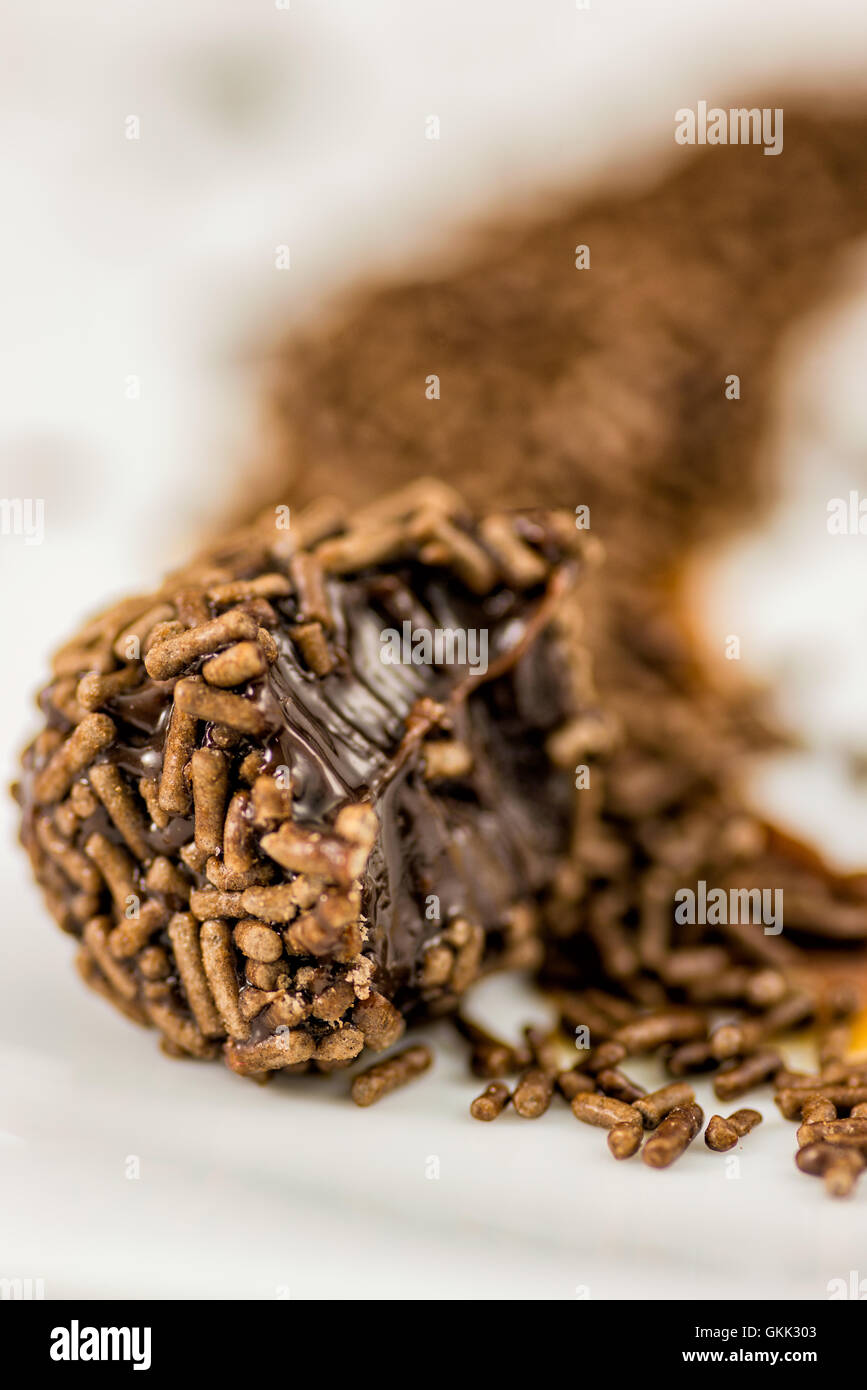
x=722 y=1134
x=653 y=1108
x=384 y=1077
x=613 y=1083
x=604 y=1111
x=532 y=1095
x=674 y=1135
x=740 y=1077
x=492 y=1102
x=624 y=1140
x=840 y=1168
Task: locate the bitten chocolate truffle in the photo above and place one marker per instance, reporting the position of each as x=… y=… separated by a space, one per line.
x=311 y=785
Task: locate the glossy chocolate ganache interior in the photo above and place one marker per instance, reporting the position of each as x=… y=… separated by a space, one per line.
x=310 y=785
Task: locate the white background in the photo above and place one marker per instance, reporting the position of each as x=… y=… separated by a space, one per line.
x=156 y=258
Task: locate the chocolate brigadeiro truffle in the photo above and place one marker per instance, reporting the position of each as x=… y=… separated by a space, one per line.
x=310 y=785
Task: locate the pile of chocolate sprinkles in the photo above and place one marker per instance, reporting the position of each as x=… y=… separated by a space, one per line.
x=738 y=1054
x=605 y=388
